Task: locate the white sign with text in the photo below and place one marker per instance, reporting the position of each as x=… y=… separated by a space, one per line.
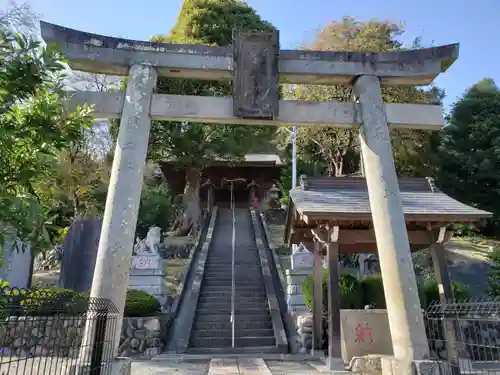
x=146 y=262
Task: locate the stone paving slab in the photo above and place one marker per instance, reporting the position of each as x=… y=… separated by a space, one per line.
x=297 y=368
x=228 y=366
x=174 y=367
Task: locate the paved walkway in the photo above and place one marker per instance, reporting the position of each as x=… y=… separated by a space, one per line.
x=229 y=366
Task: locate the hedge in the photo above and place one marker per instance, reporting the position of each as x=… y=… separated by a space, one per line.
x=140 y=303
x=350 y=292
x=59 y=301
x=430 y=292
x=356 y=294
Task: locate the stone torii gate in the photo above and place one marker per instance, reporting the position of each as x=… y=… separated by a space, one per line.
x=257 y=66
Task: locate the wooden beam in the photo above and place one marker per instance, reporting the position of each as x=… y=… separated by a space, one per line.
x=317 y=301
x=334 y=331
x=108 y=55
x=302 y=113
x=367 y=236
x=445 y=288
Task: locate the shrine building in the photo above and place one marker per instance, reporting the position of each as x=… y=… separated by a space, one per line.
x=251 y=177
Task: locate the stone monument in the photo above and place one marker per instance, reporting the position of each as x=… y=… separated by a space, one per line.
x=79 y=253
x=15 y=265
x=368 y=264
x=301 y=267
x=147 y=272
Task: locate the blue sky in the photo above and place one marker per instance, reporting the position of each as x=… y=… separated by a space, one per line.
x=474 y=24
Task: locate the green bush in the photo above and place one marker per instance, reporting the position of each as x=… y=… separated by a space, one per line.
x=140 y=303
x=431 y=292
x=494 y=278
x=351 y=294
x=53 y=301
x=59 y=301
x=373 y=291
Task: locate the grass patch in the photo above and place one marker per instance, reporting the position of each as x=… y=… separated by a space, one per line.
x=277 y=234
x=173 y=271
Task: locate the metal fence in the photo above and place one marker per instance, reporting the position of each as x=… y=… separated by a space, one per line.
x=464 y=336
x=55 y=333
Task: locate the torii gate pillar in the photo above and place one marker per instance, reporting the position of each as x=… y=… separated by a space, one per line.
x=112 y=270
x=409 y=340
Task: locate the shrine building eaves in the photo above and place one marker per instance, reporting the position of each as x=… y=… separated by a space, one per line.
x=108 y=55
x=268 y=159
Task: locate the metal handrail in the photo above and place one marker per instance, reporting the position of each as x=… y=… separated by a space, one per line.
x=233 y=285
x=233 y=245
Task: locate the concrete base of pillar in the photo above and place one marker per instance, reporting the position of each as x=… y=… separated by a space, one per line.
x=119 y=366
x=391 y=366
x=336 y=365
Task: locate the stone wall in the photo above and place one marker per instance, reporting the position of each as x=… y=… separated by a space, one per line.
x=143 y=337
x=41 y=336
x=481 y=338
x=54 y=336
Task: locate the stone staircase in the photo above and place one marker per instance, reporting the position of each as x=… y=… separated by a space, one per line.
x=212 y=327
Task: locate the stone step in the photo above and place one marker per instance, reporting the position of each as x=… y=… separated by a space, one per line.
x=247 y=269
x=226 y=325
x=255 y=273
x=211 y=287
x=226 y=333
x=220 y=342
x=228 y=262
x=226 y=304
x=227 y=310
x=226 y=293
x=263 y=317
x=239 y=301
x=248 y=350
x=223 y=284
x=237 y=279
x=216 y=276
x=248 y=266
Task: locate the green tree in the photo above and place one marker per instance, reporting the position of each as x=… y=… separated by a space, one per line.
x=194 y=145
x=338 y=148
x=469 y=155
x=34 y=126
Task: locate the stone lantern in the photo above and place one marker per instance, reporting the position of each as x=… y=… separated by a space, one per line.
x=273 y=195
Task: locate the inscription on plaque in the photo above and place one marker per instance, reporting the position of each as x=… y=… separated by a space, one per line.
x=143 y=262
x=256 y=81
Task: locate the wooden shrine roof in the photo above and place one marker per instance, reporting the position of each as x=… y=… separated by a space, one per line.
x=345 y=201
x=337 y=197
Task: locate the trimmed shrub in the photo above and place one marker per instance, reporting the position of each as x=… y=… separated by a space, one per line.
x=139 y=303
x=59 y=301
x=373 y=291
x=53 y=301
x=351 y=294
x=431 y=292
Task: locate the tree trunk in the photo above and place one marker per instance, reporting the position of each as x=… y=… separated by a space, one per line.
x=188 y=221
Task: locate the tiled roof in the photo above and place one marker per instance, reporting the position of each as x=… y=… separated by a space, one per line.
x=349 y=195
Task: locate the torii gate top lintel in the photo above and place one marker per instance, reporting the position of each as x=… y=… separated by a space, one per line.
x=108 y=55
